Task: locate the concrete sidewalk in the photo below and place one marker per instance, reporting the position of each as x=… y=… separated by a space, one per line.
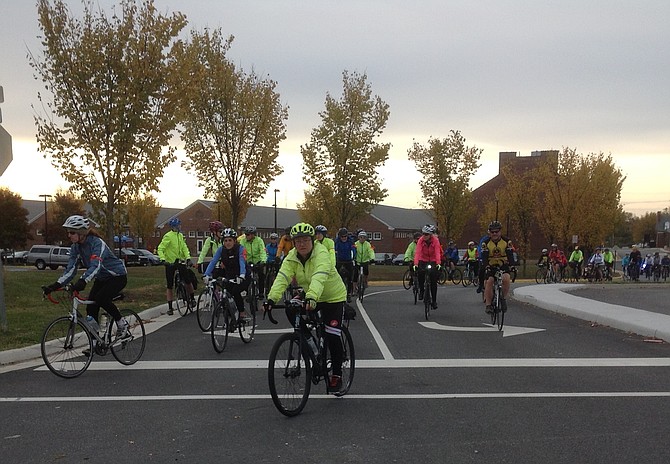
x=555 y=297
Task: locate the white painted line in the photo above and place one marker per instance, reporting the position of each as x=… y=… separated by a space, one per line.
x=507 y=331
x=485 y=363
x=386 y=353
x=409 y=396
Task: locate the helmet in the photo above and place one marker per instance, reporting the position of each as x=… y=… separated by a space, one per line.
x=471 y=243
x=321 y=229
x=451 y=242
x=417 y=234
x=174 y=222
x=77 y=222
x=544 y=250
x=250 y=230
x=302 y=229
x=228 y=232
x=215 y=226
x=553 y=245
x=343 y=232
x=273 y=235
x=495 y=225
x=363 y=233
x=428 y=229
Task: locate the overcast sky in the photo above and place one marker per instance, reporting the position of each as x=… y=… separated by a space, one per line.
x=509 y=75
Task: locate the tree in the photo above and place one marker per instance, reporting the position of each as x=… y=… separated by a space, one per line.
x=14 y=230
x=644 y=228
x=341 y=159
x=581 y=196
x=142 y=214
x=112 y=112
x=65 y=204
x=446 y=166
x=232 y=124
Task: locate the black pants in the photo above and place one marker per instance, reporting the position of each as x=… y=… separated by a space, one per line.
x=102 y=293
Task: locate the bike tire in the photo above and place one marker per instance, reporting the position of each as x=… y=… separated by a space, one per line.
x=181 y=301
x=361 y=286
x=128 y=350
x=348 y=362
x=219 y=327
x=540 y=276
x=289 y=375
x=467 y=278
x=426 y=298
x=247 y=327
x=456 y=276
x=442 y=277
x=407 y=276
x=62 y=346
x=415 y=290
x=203 y=310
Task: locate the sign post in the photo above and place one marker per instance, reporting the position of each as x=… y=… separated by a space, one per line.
x=5 y=159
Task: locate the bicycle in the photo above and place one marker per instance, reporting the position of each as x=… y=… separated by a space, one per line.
x=253 y=292
x=272 y=267
x=182 y=299
x=67 y=342
x=300 y=359
x=226 y=318
x=345 y=274
x=455 y=276
x=541 y=274
x=207 y=301
x=498 y=312
x=360 y=282
x=427 y=302
x=470 y=277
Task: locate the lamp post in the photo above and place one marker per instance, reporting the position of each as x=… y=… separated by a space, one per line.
x=275 y=205
x=46 y=226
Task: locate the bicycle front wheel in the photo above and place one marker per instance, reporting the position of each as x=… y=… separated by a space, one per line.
x=406 y=279
x=467 y=278
x=426 y=299
x=247 y=325
x=442 y=277
x=219 y=327
x=289 y=375
x=203 y=310
x=348 y=361
x=128 y=348
x=540 y=275
x=63 y=345
x=456 y=276
x=181 y=300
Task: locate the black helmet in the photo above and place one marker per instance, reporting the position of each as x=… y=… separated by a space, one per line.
x=495 y=225
x=343 y=232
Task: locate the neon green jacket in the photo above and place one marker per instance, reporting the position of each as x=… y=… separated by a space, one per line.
x=256 y=252
x=210 y=244
x=318 y=277
x=173 y=247
x=330 y=246
x=364 y=252
x=409 y=252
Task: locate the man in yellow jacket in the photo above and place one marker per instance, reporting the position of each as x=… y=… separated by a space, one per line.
x=174 y=252
x=310 y=265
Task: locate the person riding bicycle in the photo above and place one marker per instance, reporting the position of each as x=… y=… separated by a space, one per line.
x=496 y=254
x=428 y=251
x=365 y=255
x=471 y=257
x=285 y=244
x=232 y=257
x=635 y=263
x=323 y=239
x=103 y=267
x=575 y=262
x=345 y=251
x=597 y=262
x=409 y=255
x=608 y=257
x=272 y=260
x=558 y=260
x=212 y=243
x=451 y=257
x=309 y=264
x=256 y=255
x=665 y=265
x=543 y=260
x=171 y=250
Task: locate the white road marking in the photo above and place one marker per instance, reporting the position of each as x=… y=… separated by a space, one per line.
x=507 y=331
x=386 y=353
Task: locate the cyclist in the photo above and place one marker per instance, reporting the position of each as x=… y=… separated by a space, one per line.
x=428 y=251
x=323 y=239
x=285 y=244
x=451 y=257
x=665 y=265
x=543 y=260
x=171 y=250
x=575 y=261
x=345 y=251
x=365 y=255
x=635 y=263
x=496 y=254
x=409 y=255
x=597 y=262
x=272 y=261
x=232 y=257
x=608 y=257
x=212 y=243
x=107 y=271
x=256 y=255
x=471 y=257
x=558 y=261
x=309 y=263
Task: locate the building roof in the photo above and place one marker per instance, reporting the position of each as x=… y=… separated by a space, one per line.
x=402 y=218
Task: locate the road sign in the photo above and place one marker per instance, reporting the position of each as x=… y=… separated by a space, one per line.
x=5 y=149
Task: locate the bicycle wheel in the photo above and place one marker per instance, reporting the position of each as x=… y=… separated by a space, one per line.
x=289 y=375
x=247 y=326
x=456 y=276
x=500 y=316
x=63 y=344
x=219 y=327
x=426 y=297
x=540 y=275
x=361 y=286
x=494 y=307
x=467 y=278
x=442 y=277
x=181 y=299
x=348 y=362
x=415 y=290
x=203 y=310
x=128 y=349
x=406 y=279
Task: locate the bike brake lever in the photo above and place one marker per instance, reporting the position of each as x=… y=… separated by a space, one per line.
x=268 y=311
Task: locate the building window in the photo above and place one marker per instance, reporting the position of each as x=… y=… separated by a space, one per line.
x=39 y=232
x=376 y=236
x=200 y=234
x=199 y=246
x=191 y=234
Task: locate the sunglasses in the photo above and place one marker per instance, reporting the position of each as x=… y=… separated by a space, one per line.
x=494 y=231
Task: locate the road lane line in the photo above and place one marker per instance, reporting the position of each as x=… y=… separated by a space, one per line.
x=386 y=353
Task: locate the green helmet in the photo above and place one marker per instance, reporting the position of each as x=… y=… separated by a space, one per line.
x=302 y=229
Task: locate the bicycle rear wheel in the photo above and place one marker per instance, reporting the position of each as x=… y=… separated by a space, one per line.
x=128 y=349
x=289 y=375
x=203 y=310
x=456 y=276
x=361 y=286
x=181 y=299
x=219 y=327
x=247 y=326
x=63 y=345
x=348 y=362
x=406 y=279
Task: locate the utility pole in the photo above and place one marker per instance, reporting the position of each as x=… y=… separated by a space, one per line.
x=46 y=223
x=275 y=205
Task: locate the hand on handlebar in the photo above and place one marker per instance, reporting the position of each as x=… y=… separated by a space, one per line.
x=267 y=309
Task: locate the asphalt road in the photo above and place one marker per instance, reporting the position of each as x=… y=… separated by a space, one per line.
x=549 y=388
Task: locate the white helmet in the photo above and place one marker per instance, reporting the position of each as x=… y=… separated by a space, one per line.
x=76 y=222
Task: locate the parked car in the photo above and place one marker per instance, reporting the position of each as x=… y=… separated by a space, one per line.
x=383 y=258
x=144 y=261
x=152 y=259
x=14 y=257
x=48 y=255
x=398 y=260
x=128 y=256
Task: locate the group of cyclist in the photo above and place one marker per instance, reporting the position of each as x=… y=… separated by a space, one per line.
x=651 y=266
x=599 y=265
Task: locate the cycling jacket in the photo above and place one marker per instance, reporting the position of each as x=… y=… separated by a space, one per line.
x=173 y=247
x=101 y=263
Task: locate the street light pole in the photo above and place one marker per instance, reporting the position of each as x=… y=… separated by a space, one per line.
x=46 y=226
x=275 y=205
